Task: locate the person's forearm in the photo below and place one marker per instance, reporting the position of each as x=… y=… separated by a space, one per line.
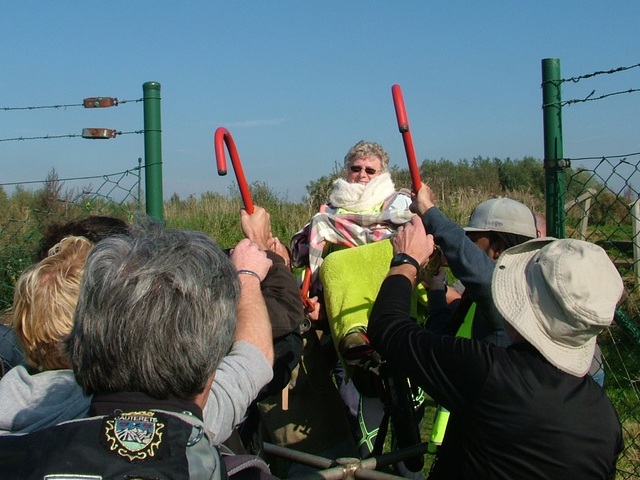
x=282 y=297
x=467 y=262
x=253 y=323
x=238 y=380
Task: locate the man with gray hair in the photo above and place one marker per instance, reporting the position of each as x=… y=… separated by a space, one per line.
x=156 y=314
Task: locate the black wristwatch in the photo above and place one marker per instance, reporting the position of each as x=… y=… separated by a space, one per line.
x=402 y=258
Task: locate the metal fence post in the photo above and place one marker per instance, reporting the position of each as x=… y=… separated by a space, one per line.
x=635 y=222
x=153 y=150
x=139 y=203
x=554 y=164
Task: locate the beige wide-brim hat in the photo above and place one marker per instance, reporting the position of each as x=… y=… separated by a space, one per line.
x=558 y=294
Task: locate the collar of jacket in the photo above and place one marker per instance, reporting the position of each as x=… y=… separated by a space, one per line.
x=108 y=403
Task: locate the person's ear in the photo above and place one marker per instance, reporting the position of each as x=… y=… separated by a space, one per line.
x=497 y=247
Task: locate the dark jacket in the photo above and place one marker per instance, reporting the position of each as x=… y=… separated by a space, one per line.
x=513 y=414
x=140 y=437
x=282 y=296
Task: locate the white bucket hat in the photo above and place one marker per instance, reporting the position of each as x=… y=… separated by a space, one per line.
x=558 y=294
x=503 y=215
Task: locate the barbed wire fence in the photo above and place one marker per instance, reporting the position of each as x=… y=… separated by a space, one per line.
x=601 y=201
x=35 y=205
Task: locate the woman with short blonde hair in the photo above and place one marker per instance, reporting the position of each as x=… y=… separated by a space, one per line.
x=44 y=301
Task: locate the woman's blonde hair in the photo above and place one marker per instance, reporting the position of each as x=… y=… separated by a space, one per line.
x=44 y=301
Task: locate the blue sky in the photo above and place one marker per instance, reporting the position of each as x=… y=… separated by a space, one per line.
x=298 y=83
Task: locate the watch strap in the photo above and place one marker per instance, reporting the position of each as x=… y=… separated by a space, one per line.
x=402 y=259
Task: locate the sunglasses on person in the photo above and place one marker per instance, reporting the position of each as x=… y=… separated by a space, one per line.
x=367 y=170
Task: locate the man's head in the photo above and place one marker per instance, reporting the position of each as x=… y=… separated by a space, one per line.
x=94 y=228
x=541 y=224
x=44 y=300
x=558 y=295
x=156 y=313
x=500 y=223
x=365 y=161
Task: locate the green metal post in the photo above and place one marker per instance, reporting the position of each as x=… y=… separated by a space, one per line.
x=554 y=163
x=153 y=150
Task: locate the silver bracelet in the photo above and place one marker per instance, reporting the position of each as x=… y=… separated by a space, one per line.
x=249 y=272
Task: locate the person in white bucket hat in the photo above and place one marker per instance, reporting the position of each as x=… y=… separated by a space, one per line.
x=527 y=410
x=559 y=309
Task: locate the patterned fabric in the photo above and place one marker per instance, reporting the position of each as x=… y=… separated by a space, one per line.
x=332 y=226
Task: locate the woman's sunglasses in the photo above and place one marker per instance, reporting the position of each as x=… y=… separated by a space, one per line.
x=358 y=169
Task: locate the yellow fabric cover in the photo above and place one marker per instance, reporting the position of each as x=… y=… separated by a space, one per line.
x=351 y=279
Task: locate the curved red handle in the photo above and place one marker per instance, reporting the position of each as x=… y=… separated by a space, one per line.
x=222 y=137
x=308 y=304
x=403 y=126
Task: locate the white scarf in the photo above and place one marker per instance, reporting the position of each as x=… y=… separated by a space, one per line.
x=362 y=197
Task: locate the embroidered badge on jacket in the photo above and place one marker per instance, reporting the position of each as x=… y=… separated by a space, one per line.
x=133 y=435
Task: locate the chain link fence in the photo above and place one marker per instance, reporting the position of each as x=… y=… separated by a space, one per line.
x=28 y=213
x=601 y=206
x=597 y=199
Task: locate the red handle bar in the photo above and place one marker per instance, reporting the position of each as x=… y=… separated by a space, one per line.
x=403 y=126
x=222 y=137
x=304 y=290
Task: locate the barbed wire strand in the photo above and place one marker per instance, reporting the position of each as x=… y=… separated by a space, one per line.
x=590 y=98
x=45 y=137
x=64 y=106
x=594 y=74
x=70 y=135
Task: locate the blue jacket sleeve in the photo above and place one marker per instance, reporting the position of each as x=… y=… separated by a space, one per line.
x=474 y=269
x=468 y=263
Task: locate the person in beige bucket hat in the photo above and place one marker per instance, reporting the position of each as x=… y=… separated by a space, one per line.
x=545 y=290
x=527 y=410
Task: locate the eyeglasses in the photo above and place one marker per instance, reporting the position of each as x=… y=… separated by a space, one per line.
x=358 y=169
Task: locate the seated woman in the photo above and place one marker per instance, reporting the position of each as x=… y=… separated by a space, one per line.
x=364 y=210
x=363 y=207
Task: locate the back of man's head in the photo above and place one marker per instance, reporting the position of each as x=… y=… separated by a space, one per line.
x=94 y=228
x=156 y=313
